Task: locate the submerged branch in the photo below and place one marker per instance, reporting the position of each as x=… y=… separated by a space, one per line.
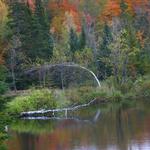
x=43 y=111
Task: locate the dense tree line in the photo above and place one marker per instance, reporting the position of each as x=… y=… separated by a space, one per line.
x=117 y=46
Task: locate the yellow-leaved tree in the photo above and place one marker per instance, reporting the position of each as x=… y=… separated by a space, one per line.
x=3 y=31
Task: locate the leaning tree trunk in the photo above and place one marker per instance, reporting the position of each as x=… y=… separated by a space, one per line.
x=124 y=69
x=12 y=65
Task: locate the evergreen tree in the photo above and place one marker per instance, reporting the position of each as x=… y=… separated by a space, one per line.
x=32 y=29
x=42 y=39
x=20 y=23
x=82 y=39
x=20 y=18
x=104 y=53
x=73 y=41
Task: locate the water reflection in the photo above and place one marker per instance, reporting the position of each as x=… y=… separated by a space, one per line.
x=117 y=128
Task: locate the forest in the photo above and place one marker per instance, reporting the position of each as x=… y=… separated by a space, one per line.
x=110 y=38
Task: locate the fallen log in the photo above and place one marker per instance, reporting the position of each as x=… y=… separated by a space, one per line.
x=51 y=112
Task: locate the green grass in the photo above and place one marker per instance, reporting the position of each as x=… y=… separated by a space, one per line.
x=142 y=87
x=37 y=99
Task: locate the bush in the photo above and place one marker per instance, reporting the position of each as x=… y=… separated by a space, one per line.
x=116 y=96
x=35 y=100
x=51 y=99
x=110 y=91
x=82 y=94
x=126 y=87
x=142 y=87
x=3 y=85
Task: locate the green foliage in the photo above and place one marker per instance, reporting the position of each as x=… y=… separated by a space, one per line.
x=38 y=99
x=84 y=57
x=3 y=20
x=46 y=99
x=104 y=67
x=35 y=100
x=32 y=29
x=73 y=41
x=142 y=87
x=43 y=44
x=61 y=55
x=3 y=75
x=116 y=49
x=81 y=95
x=123 y=50
x=4 y=120
x=3 y=87
x=82 y=39
x=109 y=90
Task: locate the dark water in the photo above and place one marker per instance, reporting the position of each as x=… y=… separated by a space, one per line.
x=107 y=127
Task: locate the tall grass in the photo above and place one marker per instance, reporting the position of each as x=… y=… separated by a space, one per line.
x=142 y=87
x=38 y=99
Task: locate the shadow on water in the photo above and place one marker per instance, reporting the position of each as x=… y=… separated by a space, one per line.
x=124 y=126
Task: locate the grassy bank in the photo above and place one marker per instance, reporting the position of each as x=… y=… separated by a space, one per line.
x=36 y=99
x=5 y=119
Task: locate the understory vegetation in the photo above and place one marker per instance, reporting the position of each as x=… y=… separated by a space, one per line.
x=38 y=99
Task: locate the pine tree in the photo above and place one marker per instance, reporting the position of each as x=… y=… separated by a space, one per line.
x=21 y=26
x=73 y=41
x=20 y=21
x=43 y=45
x=104 y=53
x=82 y=39
x=32 y=29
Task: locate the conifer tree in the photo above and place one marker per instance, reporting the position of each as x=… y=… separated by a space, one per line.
x=43 y=45
x=73 y=41
x=104 y=53
x=32 y=28
x=82 y=39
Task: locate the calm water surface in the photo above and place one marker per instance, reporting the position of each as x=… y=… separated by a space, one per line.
x=107 y=127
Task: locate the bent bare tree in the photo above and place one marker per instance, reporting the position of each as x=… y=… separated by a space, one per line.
x=42 y=69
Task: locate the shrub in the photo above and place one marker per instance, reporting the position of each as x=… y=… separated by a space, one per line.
x=126 y=87
x=35 y=100
x=142 y=87
x=51 y=99
x=116 y=96
x=82 y=94
x=3 y=85
x=144 y=90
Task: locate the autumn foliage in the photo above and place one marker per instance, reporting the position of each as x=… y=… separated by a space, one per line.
x=3 y=19
x=113 y=9
x=66 y=14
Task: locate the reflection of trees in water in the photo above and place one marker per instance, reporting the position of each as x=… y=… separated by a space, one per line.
x=119 y=127
x=114 y=128
x=27 y=141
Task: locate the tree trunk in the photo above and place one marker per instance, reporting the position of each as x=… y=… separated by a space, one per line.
x=13 y=55
x=124 y=69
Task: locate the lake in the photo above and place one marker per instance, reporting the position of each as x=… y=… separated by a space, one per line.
x=124 y=126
